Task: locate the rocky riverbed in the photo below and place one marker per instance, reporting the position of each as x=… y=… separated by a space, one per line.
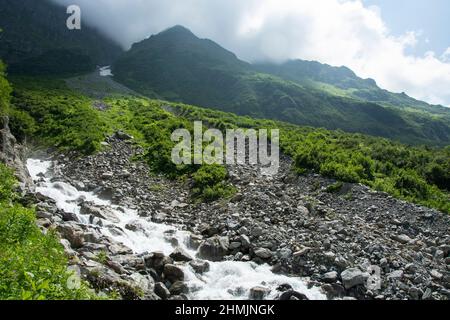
x=351 y=243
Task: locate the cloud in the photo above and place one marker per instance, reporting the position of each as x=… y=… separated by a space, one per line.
x=446 y=55
x=337 y=32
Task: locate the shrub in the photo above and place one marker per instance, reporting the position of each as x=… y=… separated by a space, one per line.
x=7 y=183
x=33 y=266
x=208 y=183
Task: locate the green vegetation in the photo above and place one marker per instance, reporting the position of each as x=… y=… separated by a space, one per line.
x=46 y=110
x=33 y=266
x=54 y=115
x=152 y=128
x=177 y=66
x=5 y=90
x=417 y=174
x=209 y=183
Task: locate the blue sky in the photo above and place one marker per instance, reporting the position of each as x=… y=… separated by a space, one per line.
x=431 y=17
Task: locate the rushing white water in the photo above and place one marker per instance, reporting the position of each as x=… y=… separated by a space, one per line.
x=225 y=280
x=106 y=71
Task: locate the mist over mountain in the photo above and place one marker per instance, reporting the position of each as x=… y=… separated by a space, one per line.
x=35 y=39
x=176 y=65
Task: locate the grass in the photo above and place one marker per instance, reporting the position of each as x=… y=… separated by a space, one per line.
x=33 y=265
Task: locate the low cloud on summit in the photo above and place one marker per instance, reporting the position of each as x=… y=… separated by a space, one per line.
x=337 y=32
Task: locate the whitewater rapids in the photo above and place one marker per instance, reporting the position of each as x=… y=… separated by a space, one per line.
x=226 y=280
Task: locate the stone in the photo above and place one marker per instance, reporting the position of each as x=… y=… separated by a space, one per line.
x=73 y=233
x=120 y=135
x=259 y=293
x=292 y=295
x=180 y=255
x=402 y=238
x=284 y=253
x=243 y=231
x=352 y=277
x=330 y=277
x=427 y=294
x=235 y=245
x=161 y=291
x=257 y=232
x=245 y=241
x=199 y=267
x=178 y=288
x=395 y=275
x=144 y=283
x=436 y=274
x=173 y=273
x=263 y=253
x=214 y=249
x=302 y=252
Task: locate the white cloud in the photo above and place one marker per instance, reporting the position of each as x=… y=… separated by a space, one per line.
x=446 y=55
x=337 y=32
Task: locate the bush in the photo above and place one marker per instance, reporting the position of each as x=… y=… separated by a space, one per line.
x=410 y=185
x=33 y=266
x=208 y=183
x=7 y=183
x=56 y=117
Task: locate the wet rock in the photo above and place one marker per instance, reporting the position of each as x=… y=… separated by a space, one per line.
x=179 y=288
x=214 y=249
x=199 y=267
x=162 y=291
x=291 y=295
x=180 y=255
x=173 y=273
x=259 y=293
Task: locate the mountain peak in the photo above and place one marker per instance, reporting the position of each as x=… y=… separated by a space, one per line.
x=178 y=30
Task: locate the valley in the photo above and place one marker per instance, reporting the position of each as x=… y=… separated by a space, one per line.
x=93 y=205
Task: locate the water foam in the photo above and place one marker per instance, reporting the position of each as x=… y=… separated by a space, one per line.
x=225 y=280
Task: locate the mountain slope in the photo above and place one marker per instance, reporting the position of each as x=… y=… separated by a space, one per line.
x=343 y=81
x=35 y=40
x=178 y=66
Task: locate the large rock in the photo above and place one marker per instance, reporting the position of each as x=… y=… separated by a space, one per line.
x=161 y=291
x=292 y=295
x=180 y=255
x=263 y=253
x=214 y=249
x=330 y=277
x=259 y=293
x=13 y=154
x=199 y=267
x=88 y=208
x=73 y=233
x=352 y=277
x=178 y=288
x=173 y=273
